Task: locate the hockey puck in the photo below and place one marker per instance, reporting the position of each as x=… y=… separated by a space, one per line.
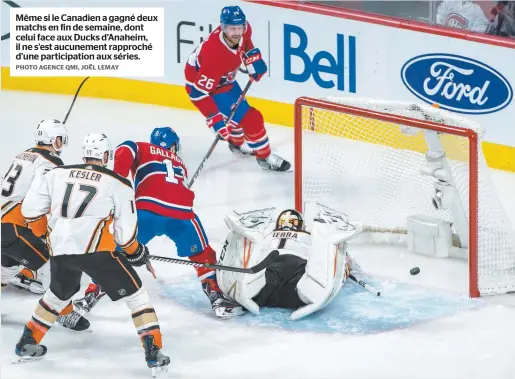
x=414 y=271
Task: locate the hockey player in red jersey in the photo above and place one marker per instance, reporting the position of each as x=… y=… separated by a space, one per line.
x=211 y=85
x=164 y=206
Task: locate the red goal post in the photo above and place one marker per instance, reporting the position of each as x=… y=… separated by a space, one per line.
x=339 y=141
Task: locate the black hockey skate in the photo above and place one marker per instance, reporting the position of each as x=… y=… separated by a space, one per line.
x=243 y=149
x=156 y=360
x=74 y=321
x=274 y=163
x=223 y=308
x=27 y=348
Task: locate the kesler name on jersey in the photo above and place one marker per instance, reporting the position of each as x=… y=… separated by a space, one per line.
x=88 y=175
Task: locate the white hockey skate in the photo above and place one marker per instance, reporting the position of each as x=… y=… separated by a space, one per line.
x=23 y=282
x=274 y=163
x=244 y=149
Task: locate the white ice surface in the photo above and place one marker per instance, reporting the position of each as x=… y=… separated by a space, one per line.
x=474 y=343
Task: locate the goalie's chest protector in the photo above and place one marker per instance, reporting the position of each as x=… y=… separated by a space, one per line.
x=291 y=242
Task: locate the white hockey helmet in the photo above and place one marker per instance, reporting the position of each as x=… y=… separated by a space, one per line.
x=48 y=131
x=95 y=146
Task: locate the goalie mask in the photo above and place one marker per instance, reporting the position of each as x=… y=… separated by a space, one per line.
x=289 y=219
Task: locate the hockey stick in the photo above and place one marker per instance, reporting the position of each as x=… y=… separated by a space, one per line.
x=71 y=106
x=218 y=138
x=251 y=270
x=74 y=99
x=365 y=285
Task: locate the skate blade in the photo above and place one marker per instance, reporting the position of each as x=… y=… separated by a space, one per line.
x=228 y=316
x=37 y=290
x=22 y=360
x=277 y=172
x=159 y=372
x=88 y=330
x=32 y=289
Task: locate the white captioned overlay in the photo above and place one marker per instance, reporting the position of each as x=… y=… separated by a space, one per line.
x=87 y=41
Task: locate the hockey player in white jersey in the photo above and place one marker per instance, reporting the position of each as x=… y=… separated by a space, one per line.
x=312 y=267
x=21 y=245
x=91 y=211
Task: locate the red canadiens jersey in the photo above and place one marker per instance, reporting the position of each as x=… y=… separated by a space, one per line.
x=160 y=179
x=212 y=68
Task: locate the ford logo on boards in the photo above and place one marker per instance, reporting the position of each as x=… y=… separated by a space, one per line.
x=457 y=83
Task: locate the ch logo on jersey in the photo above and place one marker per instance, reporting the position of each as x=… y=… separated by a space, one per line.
x=456 y=20
x=229 y=78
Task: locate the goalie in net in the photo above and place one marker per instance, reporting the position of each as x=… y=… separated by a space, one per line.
x=312 y=267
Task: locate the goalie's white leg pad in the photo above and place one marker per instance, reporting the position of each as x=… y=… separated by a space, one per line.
x=326 y=272
x=239 y=251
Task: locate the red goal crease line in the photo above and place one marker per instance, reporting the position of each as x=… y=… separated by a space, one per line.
x=394 y=22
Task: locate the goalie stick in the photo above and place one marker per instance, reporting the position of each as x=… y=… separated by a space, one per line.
x=251 y=270
x=215 y=142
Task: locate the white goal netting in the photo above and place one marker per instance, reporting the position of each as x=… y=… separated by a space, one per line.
x=371 y=169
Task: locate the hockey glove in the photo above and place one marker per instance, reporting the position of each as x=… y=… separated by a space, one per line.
x=255 y=64
x=217 y=124
x=140 y=256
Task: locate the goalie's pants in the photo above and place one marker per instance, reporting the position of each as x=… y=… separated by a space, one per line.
x=111 y=271
x=282 y=276
x=21 y=247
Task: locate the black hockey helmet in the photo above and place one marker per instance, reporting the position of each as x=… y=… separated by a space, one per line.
x=289 y=219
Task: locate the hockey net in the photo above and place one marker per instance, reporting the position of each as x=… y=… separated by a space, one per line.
x=368 y=158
